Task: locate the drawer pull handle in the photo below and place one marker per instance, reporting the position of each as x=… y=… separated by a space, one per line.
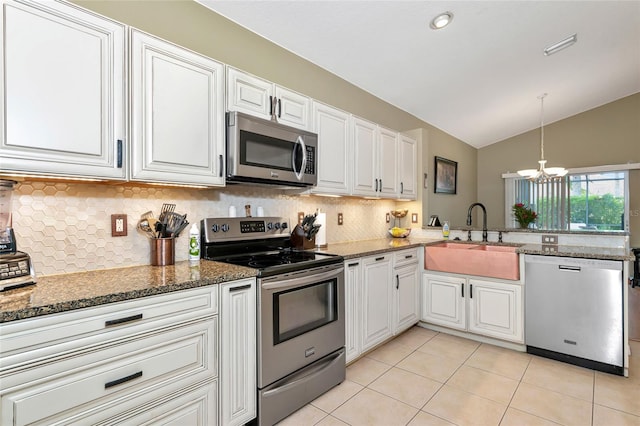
x=242 y=287
x=379 y=258
x=123 y=380
x=353 y=264
x=123 y=320
x=409 y=256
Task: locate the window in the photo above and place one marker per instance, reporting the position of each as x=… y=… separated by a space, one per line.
x=594 y=201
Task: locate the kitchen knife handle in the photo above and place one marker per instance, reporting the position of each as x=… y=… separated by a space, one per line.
x=123 y=380
x=397 y=281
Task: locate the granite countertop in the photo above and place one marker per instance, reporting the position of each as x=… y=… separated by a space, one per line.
x=60 y=293
x=355 y=249
x=604 y=253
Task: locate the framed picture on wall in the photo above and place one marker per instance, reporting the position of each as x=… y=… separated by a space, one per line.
x=446 y=175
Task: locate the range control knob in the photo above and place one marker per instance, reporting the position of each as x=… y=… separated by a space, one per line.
x=277 y=225
x=215 y=227
x=224 y=227
x=269 y=226
x=284 y=226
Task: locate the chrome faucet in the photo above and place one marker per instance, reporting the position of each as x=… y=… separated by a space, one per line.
x=484 y=219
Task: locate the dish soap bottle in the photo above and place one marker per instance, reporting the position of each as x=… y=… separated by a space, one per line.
x=194 y=243
x=445 y=230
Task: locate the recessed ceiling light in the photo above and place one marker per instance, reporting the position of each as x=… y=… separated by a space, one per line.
x=441 y=20
x=563 y=44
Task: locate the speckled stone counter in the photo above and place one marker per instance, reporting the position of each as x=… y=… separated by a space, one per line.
x=604 y=253
x=60 y=293
x=355 y=249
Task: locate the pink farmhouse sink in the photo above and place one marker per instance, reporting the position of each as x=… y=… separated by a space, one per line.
x=484 y=260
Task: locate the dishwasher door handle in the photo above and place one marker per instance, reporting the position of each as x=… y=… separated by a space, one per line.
x=569 y=268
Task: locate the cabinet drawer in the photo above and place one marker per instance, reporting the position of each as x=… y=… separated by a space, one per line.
x=405 y=257
x=34 y=340
x=73 y=388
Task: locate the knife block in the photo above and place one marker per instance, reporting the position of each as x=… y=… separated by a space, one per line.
x=300 y=241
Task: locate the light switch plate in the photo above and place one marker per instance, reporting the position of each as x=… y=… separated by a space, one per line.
x=414 y=217
x=300 y=217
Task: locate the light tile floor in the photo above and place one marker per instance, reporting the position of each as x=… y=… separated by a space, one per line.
x=427 y=378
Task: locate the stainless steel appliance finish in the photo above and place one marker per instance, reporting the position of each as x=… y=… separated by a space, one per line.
x=301 y=323
x=574 y=311
x=262 y=151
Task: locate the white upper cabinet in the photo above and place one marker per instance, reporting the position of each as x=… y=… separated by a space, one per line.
x=262 y=98
x=375 y=159
x=365 y=169
x=332 y=127
x=62 y=108
x=177 y=114
x=407 y=168
x=388 y=162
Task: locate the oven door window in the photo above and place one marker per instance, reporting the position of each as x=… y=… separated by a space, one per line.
x=303 y=309
x=262 y=151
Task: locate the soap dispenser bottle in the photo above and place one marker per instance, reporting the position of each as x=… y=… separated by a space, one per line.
x=194 y=243
x=445 y=230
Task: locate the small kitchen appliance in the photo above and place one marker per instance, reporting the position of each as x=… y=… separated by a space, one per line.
x=16 y=269
x=300 y=310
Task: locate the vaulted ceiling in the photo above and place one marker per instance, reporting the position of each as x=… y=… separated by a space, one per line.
x=479 y=78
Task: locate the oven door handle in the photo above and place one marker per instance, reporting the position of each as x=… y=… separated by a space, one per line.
x=305 y=375
x=296 y=282
x=303 y=164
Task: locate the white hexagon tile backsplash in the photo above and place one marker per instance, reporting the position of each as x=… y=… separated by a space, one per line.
x=66 y=227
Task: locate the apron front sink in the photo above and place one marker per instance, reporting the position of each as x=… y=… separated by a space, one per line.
x=484 y=260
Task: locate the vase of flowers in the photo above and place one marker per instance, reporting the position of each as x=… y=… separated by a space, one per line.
x=524 y=215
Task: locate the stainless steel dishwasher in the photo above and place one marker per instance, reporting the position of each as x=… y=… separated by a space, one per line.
x=574 y=311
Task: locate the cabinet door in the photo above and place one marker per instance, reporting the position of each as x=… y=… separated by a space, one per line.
x=62 y=108
x=353 y=300
x=249 y=94
x=377 y=296
x=443 y=300
x=407 y=168
x=238 y=352
x=388 y=163
x=177 y=108
x=495 y=309
x=365 y=173
x=293 y=109
x=407 y=297
x=332 y=127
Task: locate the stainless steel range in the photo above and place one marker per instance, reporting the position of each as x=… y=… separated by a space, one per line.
x=301 y=325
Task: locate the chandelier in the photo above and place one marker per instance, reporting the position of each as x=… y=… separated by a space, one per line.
x=542 y=174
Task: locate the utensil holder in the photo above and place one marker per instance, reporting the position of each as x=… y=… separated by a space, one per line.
x=163 y=251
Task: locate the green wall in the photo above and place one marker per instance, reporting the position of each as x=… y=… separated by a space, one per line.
x=607 y=135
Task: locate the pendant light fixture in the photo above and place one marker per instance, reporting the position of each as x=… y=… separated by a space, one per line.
x=543 y=173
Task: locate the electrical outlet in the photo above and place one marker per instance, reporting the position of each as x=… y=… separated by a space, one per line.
x=300 y=217
x=388 y=218
x=549 y=239
x=340 y=219
x=118 y=225
x=414 y=217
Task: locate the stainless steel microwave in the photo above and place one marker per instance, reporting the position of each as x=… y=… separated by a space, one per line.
x=262 y=151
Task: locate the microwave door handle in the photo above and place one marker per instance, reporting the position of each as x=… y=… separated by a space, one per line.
x=303 y=166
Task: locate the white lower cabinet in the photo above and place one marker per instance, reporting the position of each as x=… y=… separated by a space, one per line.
x=238 y=388
x=178 y=358
x=481 y=306
x=377 y=295
x=381 y=299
